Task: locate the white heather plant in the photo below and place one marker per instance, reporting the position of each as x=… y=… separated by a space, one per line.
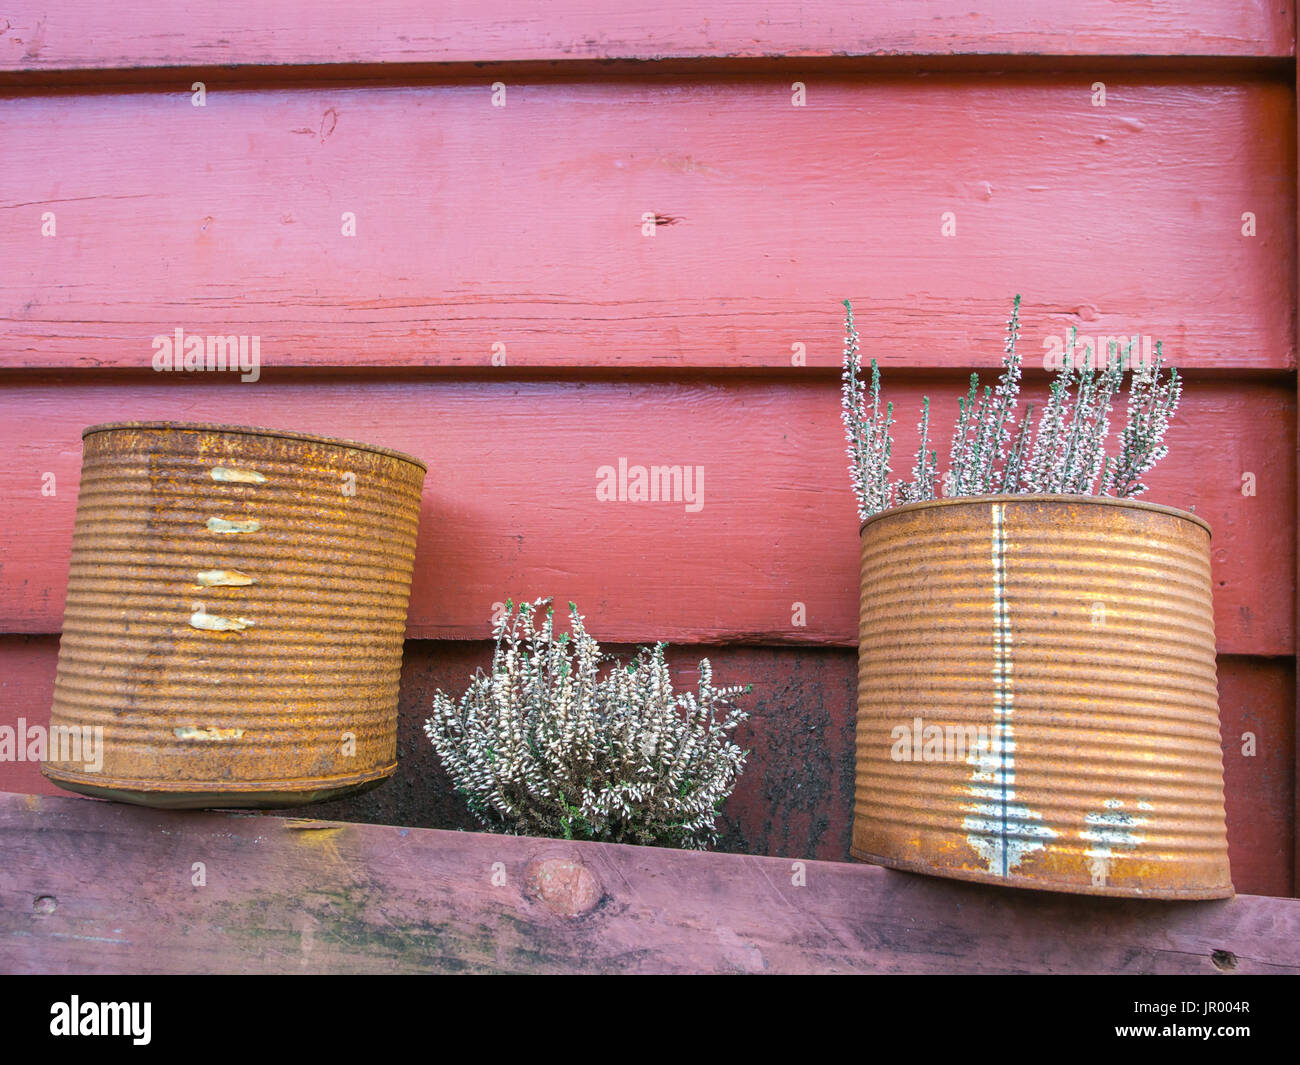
x=550 y=745
x=1065 y=455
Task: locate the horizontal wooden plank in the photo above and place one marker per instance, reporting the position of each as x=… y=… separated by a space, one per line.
x=795 y=798
x=761 y=547
x=39 y=35
x=515 y=234
x=286 y=895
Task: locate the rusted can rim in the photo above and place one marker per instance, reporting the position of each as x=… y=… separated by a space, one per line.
x=256 y=430
x=1028 y=497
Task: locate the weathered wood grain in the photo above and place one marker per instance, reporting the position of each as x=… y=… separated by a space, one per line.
x=511 y=506
x=36 y=34
x=795 y=797
x=516 y=233
x=91 y=887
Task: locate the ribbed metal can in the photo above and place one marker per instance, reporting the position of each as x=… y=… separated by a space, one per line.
x=235 y=616
x=1037 y=700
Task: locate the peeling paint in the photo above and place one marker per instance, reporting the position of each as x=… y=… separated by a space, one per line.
x=1111 y=829
x=223 y=578
x=1000 y=830
x=1107 y=831
x=225 y=525
x=227 y=474
x=200 y=619
x=214 y=735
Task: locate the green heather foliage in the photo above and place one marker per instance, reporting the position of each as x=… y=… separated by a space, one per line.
x=993 y=453
x=561 y=740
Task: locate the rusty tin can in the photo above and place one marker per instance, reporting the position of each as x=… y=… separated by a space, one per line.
x=1037 y=701
x=235 y=616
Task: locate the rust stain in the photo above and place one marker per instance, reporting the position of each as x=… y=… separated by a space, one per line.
x=1037 y=698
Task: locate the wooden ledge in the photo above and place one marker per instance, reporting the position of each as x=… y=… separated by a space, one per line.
x=94 y=887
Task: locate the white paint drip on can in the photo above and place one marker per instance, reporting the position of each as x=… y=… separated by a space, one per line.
x=227 y=525
x=1109 y=830
x=223 y=578
x=233 y=476
x=1000 y=830
x=215 y=623
x=215 y=735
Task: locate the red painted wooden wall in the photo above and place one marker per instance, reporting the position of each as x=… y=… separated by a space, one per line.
x=525 y=241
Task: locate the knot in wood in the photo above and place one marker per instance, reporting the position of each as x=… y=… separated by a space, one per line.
x=565 y=885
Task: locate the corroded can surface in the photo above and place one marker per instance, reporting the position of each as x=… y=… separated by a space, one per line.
x=1037 y=701
x=235 y=616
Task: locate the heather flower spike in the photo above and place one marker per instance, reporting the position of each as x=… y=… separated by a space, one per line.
x=992 y=452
